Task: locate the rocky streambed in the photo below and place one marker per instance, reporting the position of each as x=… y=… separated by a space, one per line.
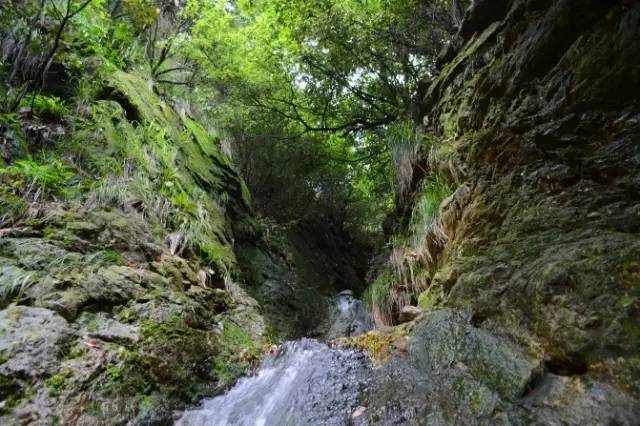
x=451 y=372
x=306 y=381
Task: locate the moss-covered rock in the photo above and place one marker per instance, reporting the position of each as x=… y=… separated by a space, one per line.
x=117 y=299
x=535 y=121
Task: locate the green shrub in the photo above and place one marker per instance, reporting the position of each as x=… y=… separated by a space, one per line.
x=46 y=107
x=379 y=298
x=12 y=206
x=27 y=175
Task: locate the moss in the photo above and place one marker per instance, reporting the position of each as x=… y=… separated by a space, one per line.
x=427 y=300
x=11 y=393
x=238 y=353
x=139 y=101
x=92 y=327
x=449 y=123
x=76 y=351
x=246 y=195
x=58 y=383
x=173 y=359
x=205 y=142
x=378 y=345
x=54 y=421
x=624 y=372
x=129 y=375
x=126 y=315
x=478 y=399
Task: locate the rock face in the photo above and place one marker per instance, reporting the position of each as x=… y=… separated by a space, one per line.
x=457 y=373
x=409 y=313
x=536 y=125
x=118 y=302
x=346 y=317
x=296 y=271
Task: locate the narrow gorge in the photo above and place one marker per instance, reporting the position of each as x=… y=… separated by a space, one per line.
x=320 y=212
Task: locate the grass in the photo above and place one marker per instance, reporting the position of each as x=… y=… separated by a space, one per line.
x=403 y=140
x=423 y=219
x=378 y=297
x=104 y=258
x=412 y=251
x=192 y=217
x=14 y=290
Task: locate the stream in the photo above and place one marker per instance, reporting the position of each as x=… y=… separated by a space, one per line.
x=306 y=383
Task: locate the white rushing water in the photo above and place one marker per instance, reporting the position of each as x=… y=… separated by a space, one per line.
x=306 y=383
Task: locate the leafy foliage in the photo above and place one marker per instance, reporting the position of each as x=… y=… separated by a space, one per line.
x=314 y=100
x=314 y=96
x=28 y=175
x=47 y=107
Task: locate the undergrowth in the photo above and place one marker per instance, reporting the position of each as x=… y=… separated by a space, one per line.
x=32 y=178
x=403 y=140
x=413 y=251
x=46 y=107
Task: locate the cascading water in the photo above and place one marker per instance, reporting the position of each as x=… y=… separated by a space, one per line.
x=347 y=317
x=306 y=383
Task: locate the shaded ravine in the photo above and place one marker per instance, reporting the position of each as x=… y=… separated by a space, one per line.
x=305 y=383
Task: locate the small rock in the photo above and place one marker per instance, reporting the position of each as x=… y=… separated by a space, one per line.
x=110 y=330
x=409 y=313
x=358 y=412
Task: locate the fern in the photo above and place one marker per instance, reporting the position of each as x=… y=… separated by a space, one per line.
x=27 y=175
x=46 y=107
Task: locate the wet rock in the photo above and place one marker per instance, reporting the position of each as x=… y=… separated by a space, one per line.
x=346 y=316
x=30 y=341
x=305 y=383
x=579 y=401
x=481 y=14
x=110 y=330
x=446 y=339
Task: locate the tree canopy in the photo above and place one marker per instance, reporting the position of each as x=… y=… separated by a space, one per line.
x=316 y=86
x=308 y=96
